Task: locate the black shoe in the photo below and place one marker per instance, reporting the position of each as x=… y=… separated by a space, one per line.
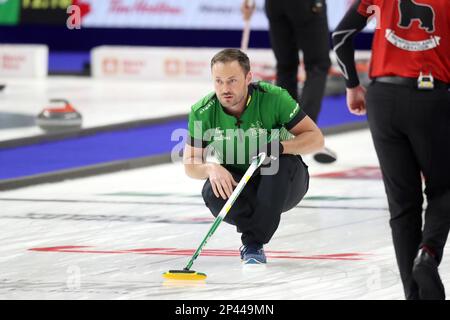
x=425 y=273
x=325 y=156
x=412 y=291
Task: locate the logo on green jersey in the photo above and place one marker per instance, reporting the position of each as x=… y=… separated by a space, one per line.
x=256 y=129
x=294 y=111
x=207 y=106
x=219 y=135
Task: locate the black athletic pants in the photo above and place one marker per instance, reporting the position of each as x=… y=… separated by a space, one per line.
x=411 y=134
x=293 y=27
x=256 y=212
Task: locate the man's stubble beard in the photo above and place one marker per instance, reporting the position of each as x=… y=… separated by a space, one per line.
x=236 y=103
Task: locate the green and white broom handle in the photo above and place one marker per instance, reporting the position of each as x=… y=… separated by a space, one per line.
x=256 y=163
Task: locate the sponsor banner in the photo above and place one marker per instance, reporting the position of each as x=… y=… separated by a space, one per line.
x=156 y=14
x=28 y=61
x=171 y=14
x=9 y=12
x=186 y=14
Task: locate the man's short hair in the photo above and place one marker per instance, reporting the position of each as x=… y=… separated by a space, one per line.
x=230 y=55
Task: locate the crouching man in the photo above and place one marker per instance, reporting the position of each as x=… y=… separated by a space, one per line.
x=236 y=122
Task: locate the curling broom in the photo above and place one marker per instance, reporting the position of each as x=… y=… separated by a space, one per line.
x=187 y=273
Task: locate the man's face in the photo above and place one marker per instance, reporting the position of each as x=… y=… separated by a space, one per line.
x=230 y=83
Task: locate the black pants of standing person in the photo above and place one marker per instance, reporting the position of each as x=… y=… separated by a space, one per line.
x=293 y=27
x=257 y=211
x=411 y=134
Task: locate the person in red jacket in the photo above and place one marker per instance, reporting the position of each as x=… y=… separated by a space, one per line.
x=408 y=108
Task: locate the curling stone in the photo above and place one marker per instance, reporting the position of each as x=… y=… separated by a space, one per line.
x=59 y=116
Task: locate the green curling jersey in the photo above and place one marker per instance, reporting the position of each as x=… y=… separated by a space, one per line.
x=269 y=114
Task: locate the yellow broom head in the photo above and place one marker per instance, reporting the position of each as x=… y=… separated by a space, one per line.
x=184 y=275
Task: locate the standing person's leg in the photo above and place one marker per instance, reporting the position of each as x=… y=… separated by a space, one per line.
x=435 y=149
x=388 y=123
x=429 y=257
x=284 y=46
x=430 y=132
x=312 y=38
x=314 y=42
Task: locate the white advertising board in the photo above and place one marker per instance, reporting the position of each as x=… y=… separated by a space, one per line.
x=23 y=61
x=150 y=63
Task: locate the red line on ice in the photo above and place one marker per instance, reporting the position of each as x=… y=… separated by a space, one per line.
x=207 y=252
